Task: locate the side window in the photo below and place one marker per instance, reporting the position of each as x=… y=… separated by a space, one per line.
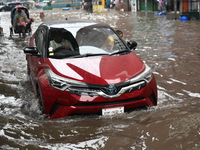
x=39 y=40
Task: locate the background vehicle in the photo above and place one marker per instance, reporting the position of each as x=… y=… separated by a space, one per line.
x=9 y=6
x=21 y=29
x=100 y=71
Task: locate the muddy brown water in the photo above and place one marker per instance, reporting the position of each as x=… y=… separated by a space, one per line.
x=171 y=48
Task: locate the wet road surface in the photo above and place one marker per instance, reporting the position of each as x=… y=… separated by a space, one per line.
x=170 y=47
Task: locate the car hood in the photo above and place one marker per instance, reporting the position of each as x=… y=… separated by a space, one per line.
x=99 y=70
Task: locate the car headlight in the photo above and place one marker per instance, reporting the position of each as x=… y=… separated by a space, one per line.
x=61 y=83
x=145 y=75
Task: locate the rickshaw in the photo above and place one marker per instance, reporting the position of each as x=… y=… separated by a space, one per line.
x=23 y=28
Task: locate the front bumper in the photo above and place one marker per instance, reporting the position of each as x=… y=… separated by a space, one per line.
x=59 y=104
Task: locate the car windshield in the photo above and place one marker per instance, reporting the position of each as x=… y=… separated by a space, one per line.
x=87 y=41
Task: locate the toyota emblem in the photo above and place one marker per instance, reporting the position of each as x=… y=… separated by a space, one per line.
x=111 y=89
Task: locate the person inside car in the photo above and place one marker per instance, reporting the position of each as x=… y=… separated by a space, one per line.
x=20 y=18
x=59 y=41
x=131 y=44
x=120 y=33
x=110 y=42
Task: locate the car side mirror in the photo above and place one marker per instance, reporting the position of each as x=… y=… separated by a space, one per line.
x=132 y=44
x=31 y=50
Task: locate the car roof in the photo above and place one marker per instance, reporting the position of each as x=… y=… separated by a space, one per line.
x=73 y=23
x=13 y=2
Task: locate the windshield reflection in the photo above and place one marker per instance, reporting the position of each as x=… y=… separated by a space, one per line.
x=88 y=41
x=99 y=40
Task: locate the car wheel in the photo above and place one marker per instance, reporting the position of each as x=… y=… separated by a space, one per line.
x=24 y=35
x=28 y=71
x=3 y=10
x=40 y=102
x=11 y=31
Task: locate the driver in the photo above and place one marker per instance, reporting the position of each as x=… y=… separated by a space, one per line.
x=59 y=41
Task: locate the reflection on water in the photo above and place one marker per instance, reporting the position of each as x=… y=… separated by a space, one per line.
x=169 y=46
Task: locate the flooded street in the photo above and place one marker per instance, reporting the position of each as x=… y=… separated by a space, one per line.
x=170 y=47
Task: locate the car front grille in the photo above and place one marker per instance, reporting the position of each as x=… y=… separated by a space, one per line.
x=107 y=91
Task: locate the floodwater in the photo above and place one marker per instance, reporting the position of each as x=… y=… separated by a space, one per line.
x=171 y=48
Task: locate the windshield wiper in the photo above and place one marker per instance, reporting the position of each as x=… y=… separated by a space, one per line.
x=89 y=54
x=119 y=52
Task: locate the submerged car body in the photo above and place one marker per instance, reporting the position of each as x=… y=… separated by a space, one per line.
x=101 y=72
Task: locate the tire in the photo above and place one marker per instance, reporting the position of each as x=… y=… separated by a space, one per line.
x=11 y=32
x=24 y=33
x=40 y=102
x=28 y=70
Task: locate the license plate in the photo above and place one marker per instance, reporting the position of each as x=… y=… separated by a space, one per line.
x=112 y=110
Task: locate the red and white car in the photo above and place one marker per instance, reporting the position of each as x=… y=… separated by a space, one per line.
x=100 y=75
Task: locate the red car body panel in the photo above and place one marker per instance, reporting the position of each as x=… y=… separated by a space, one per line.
x=94 y=70
x=145 y=101
x=90 y=70
x=98 y=70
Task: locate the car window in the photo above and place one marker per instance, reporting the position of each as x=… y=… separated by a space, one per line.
x=61 y=43
x=40 y=40
x=103 y=38
x=13 y=4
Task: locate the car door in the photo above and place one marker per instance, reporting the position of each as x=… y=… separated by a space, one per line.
x=4 y=8
x=9 y=7
x=36 y=63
